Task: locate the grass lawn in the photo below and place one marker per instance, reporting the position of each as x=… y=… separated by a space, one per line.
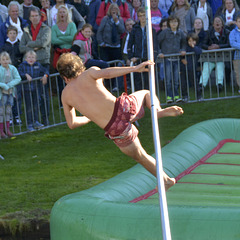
x=43 y=166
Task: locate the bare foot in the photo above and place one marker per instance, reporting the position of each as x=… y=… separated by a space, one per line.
x=168 y=183
x=172 y=111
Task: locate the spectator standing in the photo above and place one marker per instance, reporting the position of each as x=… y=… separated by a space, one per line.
x=182 y=10
x=24 y=9
x=64 y=30
x=109 y=32
x=124 y=52
x=163 y=25
x=82 y=8
x=82 y=47
x=29 y=70
x=216 y=38
x=229 y=13
x=157 y=14
x=189 y=65
x=37 y=37
x=198 y=29
x=9 y=77
x=203 y=10
x=133 y=8
x=63 y=33
x=74 y=14
x=45 y=12
x=234 y=39
x=12 y=48
x=103 y=10
x=137 y=48
x=129 y=23
x=12 y=20
x=172 y=40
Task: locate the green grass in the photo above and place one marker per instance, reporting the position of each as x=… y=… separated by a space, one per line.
x=43 y=166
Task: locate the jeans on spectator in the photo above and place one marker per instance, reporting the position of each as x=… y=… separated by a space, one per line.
x=236 y=65
x=44 y=99
x=172 y=76
x=31 y=98
x=207 y=69
x=16 y=109
x=6 y=103
x=44 y=103
x=95 y=62
x=161 y=71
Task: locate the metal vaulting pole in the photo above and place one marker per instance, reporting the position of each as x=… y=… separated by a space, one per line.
x=161 y=188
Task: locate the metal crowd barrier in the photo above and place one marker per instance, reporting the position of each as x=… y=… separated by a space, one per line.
x=188 y=86
x=50 y=111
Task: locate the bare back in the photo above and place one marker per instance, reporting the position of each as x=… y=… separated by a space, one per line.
x=89 y=96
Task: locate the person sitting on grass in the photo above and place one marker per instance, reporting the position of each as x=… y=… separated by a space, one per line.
x=86 y=93
x=9 y=78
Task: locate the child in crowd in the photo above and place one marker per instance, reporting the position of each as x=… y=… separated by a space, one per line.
x=9 y=77
x=81 y=46
x=163 y=26
x=29 y=70
x=189 y=67
x=137 y=48
x=172 y=41
x=234 y=39
x=11 y=46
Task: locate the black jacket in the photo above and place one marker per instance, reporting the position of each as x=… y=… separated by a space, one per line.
x=13 y=51
x=210 y=38
x=135 y=43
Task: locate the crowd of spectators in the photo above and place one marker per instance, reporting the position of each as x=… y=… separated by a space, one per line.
x=101 y=31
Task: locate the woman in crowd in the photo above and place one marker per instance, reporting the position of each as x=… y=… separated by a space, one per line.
x=182 y=10
x=63 y=33
x=198 y=29
x=203 y=10
x=109 y=32
x=229 y=13
x=133 y=8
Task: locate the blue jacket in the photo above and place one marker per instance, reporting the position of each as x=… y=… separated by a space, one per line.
x=234 y=39
x=35 y=71
x=15 y=79
x=93 y=11
x=4 y=26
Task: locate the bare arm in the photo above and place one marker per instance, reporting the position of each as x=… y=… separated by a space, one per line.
x=74 y=121
x=112 y=72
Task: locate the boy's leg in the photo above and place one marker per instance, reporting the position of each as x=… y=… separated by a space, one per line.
x=136 y=151
x=144 y=99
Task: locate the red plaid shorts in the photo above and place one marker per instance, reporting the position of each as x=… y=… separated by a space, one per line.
x=120 y=128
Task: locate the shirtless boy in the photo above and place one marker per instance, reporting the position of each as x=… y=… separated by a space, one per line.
x=86 y=93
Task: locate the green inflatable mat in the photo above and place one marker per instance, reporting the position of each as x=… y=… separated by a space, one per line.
x=203 y=204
